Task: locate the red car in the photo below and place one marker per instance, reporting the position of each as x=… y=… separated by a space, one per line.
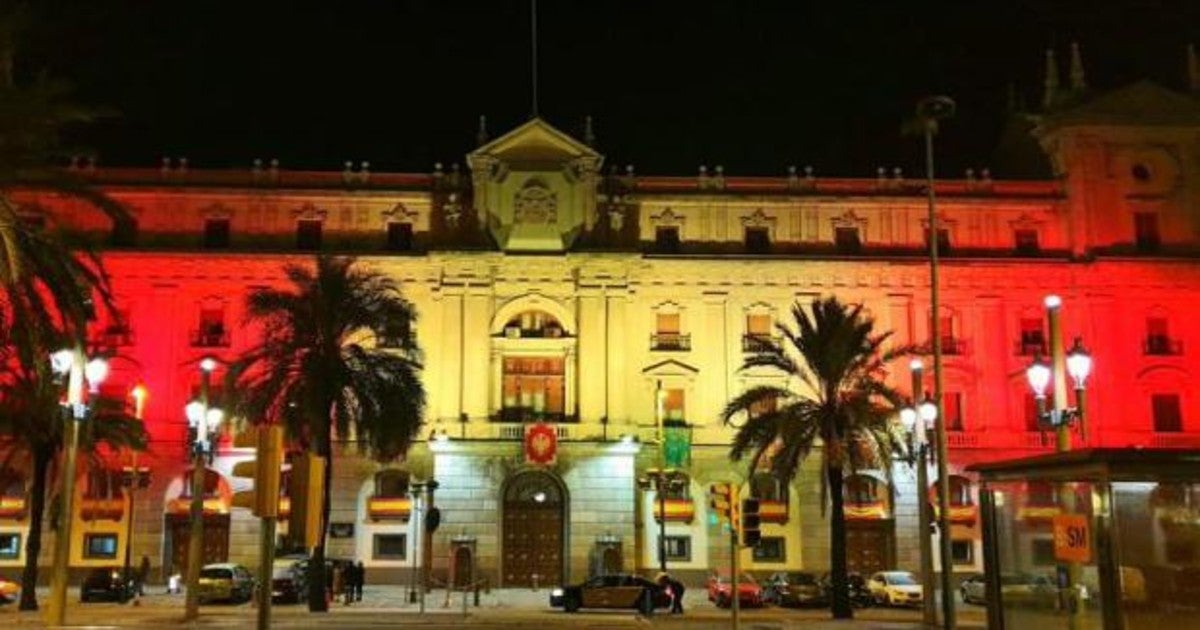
x=750 y=594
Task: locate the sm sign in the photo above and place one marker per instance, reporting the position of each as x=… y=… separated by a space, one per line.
x=1072 y=538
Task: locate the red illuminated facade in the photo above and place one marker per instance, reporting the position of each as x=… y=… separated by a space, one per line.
x=553 y=289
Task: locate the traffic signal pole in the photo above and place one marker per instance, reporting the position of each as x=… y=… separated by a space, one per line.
x=266 y=549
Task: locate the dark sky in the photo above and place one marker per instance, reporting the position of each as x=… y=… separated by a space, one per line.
x=754 y=86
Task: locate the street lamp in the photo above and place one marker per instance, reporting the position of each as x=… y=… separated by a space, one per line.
x=918 y=440
x=71 y=365
x=931 y=110
x=134 y=477
x=203 y=420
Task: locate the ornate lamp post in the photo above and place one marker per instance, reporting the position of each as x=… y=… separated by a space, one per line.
x=918 y=439
x=134 y=478
x=73 y=366
x=203 y=420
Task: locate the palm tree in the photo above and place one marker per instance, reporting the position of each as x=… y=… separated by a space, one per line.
x=315 y=370
x=32 y=428
x=843 y=410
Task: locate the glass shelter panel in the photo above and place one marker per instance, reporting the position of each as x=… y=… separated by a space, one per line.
x=1157 y=542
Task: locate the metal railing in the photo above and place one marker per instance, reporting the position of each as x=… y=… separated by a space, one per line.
x=675 y=342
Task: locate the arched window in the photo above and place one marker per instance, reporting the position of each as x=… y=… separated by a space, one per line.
x=768 y=487
x=960 y=492
x=391 y=484
x=212 y=484
x=862 y=490
x=533 y=323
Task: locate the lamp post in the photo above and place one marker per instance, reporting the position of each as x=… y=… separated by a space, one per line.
x=204 y=420
x=918 y=438
x=73 y=366
x=134 y=478
x=930 y=110
x=1060 y=416
x=417 y=490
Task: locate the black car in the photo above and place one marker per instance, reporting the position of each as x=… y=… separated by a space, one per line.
x=612 y=591
x=107 y=585
x=288 y=580
x=795 y=588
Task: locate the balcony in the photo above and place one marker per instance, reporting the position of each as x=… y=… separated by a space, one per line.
x=389 y=508
x=953 y=346
x=1162 y=346
x=678 y=510
x=1174 y=440
x=102 y=508
x=772 y=511
x=1030 y=348
x=752 y=342
x=516 y=431
x=526 y=415
x=1040 y=440
x=671 y=342
x=12 y=507
x=960 y=439
x=210 y=338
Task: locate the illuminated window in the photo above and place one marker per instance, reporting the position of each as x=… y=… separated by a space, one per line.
x=1145 y=231
x=308 y=234
x=533 y=388
x=667 y=332
x=10 y=546
x=758 y=240
x=861 y=490
x=212 y=332
x=666 y=238
x=771 y=549
x=1158 y=339
x=216 y=233
x=1033 y=337
x=100 y=546
x=390 y=547
x=673 y=404
x=1026 y=241
x=399 y=236
x=847 y=239
x=960 y=491
x=679 y=548
x=1168 y=418
x=103 y=484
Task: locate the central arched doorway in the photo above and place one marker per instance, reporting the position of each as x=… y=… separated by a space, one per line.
x=533 y=530
x=178 y=521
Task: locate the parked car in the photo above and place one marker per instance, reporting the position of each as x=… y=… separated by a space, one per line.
x=1015 y=589
x=720 y=589
x=9 y=590
x=107 y=584
x=300 y=581
x=794 y=589
x=895 y=588
x=288 y=580
x=225 y=582
x=612 y=591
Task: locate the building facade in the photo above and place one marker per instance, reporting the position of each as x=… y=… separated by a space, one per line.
x=554 y=290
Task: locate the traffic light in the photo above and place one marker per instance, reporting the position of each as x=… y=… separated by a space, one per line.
x=751 y=522
x=264 y=469
x=720 y=499
x=306 y=489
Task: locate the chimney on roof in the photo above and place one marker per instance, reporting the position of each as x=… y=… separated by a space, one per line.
x=1193 y=67
x=1078 y=82
x=1050 y=96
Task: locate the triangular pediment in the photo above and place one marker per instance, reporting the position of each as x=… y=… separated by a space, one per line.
x=535 y=141
x=1140 y=104
x=670 y=367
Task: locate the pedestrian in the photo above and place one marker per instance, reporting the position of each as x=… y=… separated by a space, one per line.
x=339 y=580
x=360 y=578
x=664 y=584
x=677 y=590
x=143 y=575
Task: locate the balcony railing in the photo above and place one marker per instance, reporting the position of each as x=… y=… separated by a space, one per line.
x=1040 y=439
x=960 y=439
x=1160 y=346
x=1174 y=440
x=1025 y=348
x=752 y=342
x=516 y=431
x=210 y=338
x=671 y=342
x=529 y=414
x=953 y=346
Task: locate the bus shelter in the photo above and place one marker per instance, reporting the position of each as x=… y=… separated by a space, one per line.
x=1093 y=538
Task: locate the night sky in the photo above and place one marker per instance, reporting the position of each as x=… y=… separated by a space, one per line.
x=671 y=85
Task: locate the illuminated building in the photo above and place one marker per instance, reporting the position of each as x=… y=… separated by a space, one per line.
x=553 y=287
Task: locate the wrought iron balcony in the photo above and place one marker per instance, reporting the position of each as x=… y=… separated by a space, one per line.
x=953 y=346
x=210 y=338
x=753 y=342
x=1030 y=347
x=1162 y=346
x=671 y=342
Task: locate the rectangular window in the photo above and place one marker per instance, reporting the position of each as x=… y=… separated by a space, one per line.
x=673 y=404
x=962 y=551
x=1158 y=338
x=679 y=548
x=212 y=333
x=953 y=409
x=771 y=549
x=1026 y=241
x=758 y=240
x=10 y=546
x=216 y=233
x=534 y=389
x=100 y=546
x=1167 y=415
x=1032 y=422
x=846 y=239
x=943 y=239
x=758 y=324
x=1042 y=551
x=399 y=236
x=308 y=234
x=666 y=238
x=1033 y=337
x=1145 y=229
x=390 y=547
x=666 y=323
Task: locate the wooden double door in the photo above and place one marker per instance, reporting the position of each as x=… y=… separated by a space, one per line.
x=179 y=531
x=870 y=546
x=533 y=531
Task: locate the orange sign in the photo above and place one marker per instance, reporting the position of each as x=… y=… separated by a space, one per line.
x=1072 y=538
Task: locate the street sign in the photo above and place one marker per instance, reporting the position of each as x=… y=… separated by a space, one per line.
x=1072 y=538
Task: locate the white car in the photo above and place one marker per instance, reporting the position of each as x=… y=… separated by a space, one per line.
x=895 y=588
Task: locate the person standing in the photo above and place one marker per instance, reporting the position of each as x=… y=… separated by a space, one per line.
x=677 y=590
x=360 y=578
x=143 y=575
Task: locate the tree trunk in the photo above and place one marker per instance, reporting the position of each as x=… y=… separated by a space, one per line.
x=837 y=546
x=33 y=545
x=317 y=583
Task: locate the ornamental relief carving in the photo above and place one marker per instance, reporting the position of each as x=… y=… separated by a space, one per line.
x=535 y=204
